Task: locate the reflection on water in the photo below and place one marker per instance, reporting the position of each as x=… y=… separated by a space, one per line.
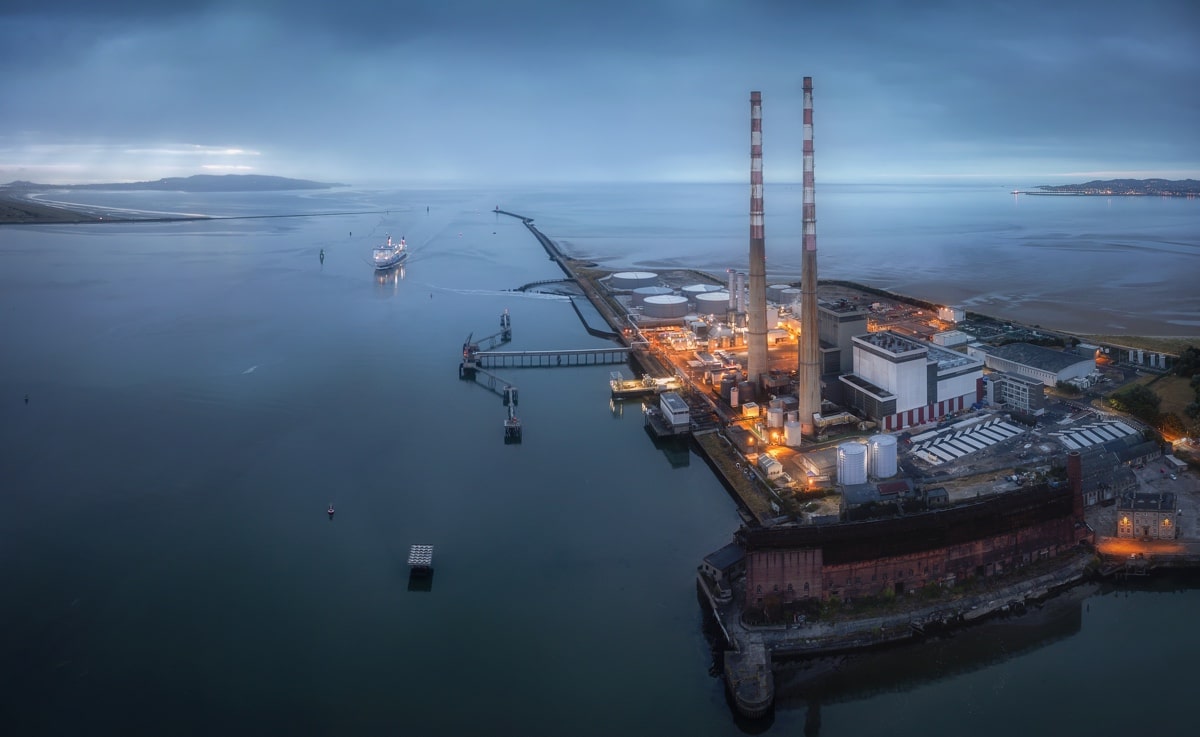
x=388 y=280
x=853 y=677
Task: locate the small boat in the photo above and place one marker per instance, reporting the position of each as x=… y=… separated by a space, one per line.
x=390 y=253
x=330 y=510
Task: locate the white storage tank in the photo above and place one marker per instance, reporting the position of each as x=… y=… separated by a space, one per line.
x=641 y=293
x=692 y=290
x=791 y=433
x=775 y=292
x=789 y=296
x=883 y=456
x=711 y=303
x=775 y=417
x=665 y=306
x=852 y=464
x=633 y=279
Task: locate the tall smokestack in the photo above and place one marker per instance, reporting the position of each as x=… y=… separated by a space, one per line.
x=808 y=393
x=756 y=337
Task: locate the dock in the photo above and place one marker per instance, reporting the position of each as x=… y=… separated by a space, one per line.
x=647 y=386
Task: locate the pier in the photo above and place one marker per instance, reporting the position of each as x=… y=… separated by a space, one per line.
x=551 y=359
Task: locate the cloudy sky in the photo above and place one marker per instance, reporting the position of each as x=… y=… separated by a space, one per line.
x=483 y=91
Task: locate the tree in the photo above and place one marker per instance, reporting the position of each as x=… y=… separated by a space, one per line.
x=1138 y=401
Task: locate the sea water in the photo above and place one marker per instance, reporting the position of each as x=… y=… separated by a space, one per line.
x=199 y=392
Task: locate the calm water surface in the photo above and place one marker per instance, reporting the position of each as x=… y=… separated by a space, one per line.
x=199 y=392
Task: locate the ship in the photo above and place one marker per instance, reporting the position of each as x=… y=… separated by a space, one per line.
x=390 y=253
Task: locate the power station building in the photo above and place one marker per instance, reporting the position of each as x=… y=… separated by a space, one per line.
x=1016 y=392
x=1044 y=364
x=901 y=382
x=837 y=324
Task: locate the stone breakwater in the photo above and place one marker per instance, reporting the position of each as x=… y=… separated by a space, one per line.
x=753 y=649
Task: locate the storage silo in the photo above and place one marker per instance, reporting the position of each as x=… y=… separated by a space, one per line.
x=852 y=464
x=790 y=296
x=711 y=303
x=641 y=293
x=692 y=290
x=665 y=306
x=775 y=292
x=633 y=279
x=775 y=417
x=792 y=433
x=883 y=456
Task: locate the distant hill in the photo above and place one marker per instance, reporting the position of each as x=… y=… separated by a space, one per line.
x=194 y=183
x=1161 y=187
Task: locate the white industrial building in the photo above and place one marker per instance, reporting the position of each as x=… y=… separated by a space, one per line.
x=1044 y=364
x=902 y=382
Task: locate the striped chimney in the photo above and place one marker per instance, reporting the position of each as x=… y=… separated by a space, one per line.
x=808 y=392
x=810 y=205
x=756 y=339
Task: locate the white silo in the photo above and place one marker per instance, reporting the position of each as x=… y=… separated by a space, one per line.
x=711 y=303
x=792 y=434
x=774 y=417
x=633 y=279
x=790 y=296
x=883 y=456
x=641 y=293
x=791 y=429
x=852 y=464
x=665 y=306
x=775 y=292
x=691 y=290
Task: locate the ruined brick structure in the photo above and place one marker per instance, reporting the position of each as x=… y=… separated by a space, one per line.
x=906 y=553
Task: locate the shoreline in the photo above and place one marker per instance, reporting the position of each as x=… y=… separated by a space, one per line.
x=748 y=660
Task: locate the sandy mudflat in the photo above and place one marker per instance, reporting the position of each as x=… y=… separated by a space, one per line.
x=14 y=210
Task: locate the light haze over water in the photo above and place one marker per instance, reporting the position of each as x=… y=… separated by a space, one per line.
x=200 y=391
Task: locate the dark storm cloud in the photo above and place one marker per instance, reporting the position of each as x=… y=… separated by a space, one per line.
x=653 y=89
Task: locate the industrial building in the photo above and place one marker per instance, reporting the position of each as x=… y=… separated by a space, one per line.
x=1146 y=516
x=1044 y=364
x=1015 y=392
x=901 y=382
x=837 y=324
x=902 y=554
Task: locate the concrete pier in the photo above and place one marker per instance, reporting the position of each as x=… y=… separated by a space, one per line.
x=543 y=359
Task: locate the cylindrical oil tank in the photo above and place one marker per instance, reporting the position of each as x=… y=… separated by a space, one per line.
x=789 y=296
x=775 y=292
x=852 y=463
x=692 y=290
x=633 y=279
x=711 y=303
x=774 y=417
x=791 y=433
x=734 y=396
x=883 y=456
x=641 y=293
x=665 y=306
x=727 y=382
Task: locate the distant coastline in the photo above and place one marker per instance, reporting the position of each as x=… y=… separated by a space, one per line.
x=19 y=207
x=194 y=183
x=1122 y=188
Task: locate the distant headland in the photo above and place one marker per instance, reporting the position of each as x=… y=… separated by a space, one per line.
x=20 y=206
x=194 y=183
x=1123 y=188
